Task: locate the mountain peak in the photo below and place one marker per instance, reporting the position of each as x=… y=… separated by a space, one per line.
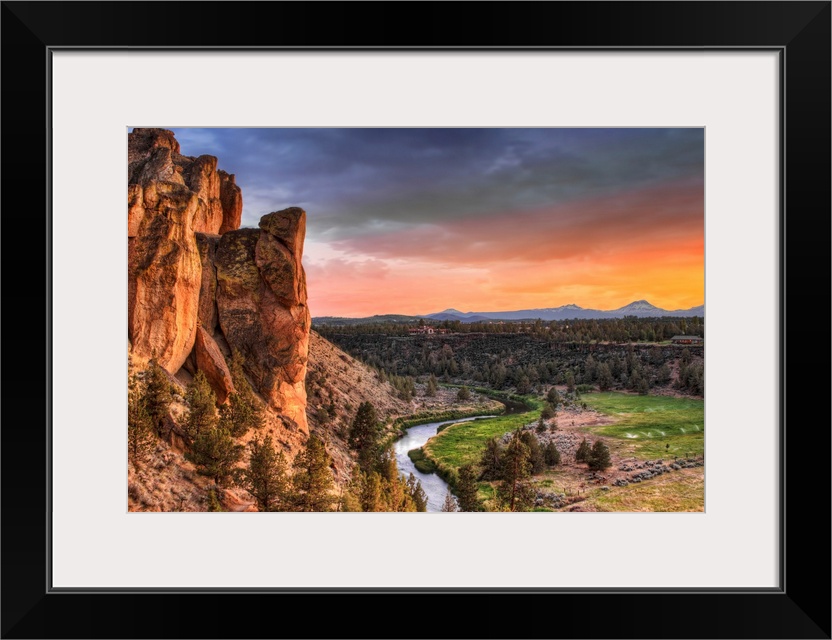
x=638 y=305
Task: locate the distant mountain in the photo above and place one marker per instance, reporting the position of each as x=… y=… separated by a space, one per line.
x=461 y=317
x=638 y=308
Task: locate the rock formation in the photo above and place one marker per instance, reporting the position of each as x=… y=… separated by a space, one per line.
x=261 y=302
x=199 y=287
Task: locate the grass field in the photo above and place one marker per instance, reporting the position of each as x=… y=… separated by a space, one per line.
x=646 y=425
x=463 y=443
x=681 y=491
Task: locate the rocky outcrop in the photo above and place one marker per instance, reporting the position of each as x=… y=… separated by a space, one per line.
x=261 y=303
x=164 y=274
x=207 y=247
x=211 y=361
x=199 y=287
x=231 y=200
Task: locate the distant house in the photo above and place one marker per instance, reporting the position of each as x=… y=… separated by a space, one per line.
x=420 y=331
x=687 y=340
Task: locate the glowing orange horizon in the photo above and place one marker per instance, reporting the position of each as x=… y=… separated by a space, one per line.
x=598 y=253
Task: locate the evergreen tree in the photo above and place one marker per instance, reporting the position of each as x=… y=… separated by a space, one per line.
x=553 y=397
x=202 y=407
x=514 y=491
x=214 y=504
x=312 y=482
x=157 y=396
x=265 y=476
x=548 y=412
x=541 y=425
x=432 y=386
x=570 y=382
x=582 y=454
x=536 y=460
x=551 y=454
x=350 y=500
x=604 y=376
x=491 y=460
x=372 y=497
x=466 y=489
x=242 y=411
x=420 y=498
x=599 y=456
x=463 y=394
x=365 y=434
x=450 y=504
x=215 y=453
x=141 y=439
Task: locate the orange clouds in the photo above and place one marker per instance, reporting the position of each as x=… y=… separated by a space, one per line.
x=598 y=253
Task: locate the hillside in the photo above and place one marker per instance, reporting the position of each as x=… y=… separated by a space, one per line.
x=336 y=383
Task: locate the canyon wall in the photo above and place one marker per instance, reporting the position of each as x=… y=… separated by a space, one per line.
x=199 y=287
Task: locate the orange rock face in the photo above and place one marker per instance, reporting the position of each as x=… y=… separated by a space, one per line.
x=210 y=360
x=261 y=302
x=198 y=286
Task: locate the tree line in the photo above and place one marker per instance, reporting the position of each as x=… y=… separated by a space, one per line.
x=616 y=330
x=526 y=363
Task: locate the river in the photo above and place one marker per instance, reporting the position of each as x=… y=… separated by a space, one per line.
x=435 y=487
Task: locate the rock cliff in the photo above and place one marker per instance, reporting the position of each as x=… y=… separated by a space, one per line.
x=200 y=287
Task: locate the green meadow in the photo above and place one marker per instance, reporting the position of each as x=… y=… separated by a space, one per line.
x=462 y=443
x=652 y=426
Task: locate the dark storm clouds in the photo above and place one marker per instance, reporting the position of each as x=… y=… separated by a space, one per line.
x=356 y=184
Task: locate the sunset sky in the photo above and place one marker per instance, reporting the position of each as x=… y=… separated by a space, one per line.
x=415 y=221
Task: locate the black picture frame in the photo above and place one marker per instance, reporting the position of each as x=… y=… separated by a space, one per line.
x=799 y=31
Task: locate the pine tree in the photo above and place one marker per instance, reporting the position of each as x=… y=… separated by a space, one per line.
x=420 y=498
x=491 y=460
x=553 y=397
x=538 y=464
x=372 y=497
x=513 y=490
x=350 y=500
x=202 y=406
x=157 y=396
x=450 y=504
x=242 y=411
x=551 y=454
x=312 y=483
x=599 y=456
x=604 y=376
x=214 y=504
x=364 y=436
x=582 y=454
x=215 y=453
x=570 y=382
x=463 y=394
x=466 y=489
x=265 y=476
x=141 y=439
x=432 y=386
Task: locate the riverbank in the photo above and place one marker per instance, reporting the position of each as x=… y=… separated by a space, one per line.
x=462 y=443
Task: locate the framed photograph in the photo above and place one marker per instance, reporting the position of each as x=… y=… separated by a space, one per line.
x=752 y=80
